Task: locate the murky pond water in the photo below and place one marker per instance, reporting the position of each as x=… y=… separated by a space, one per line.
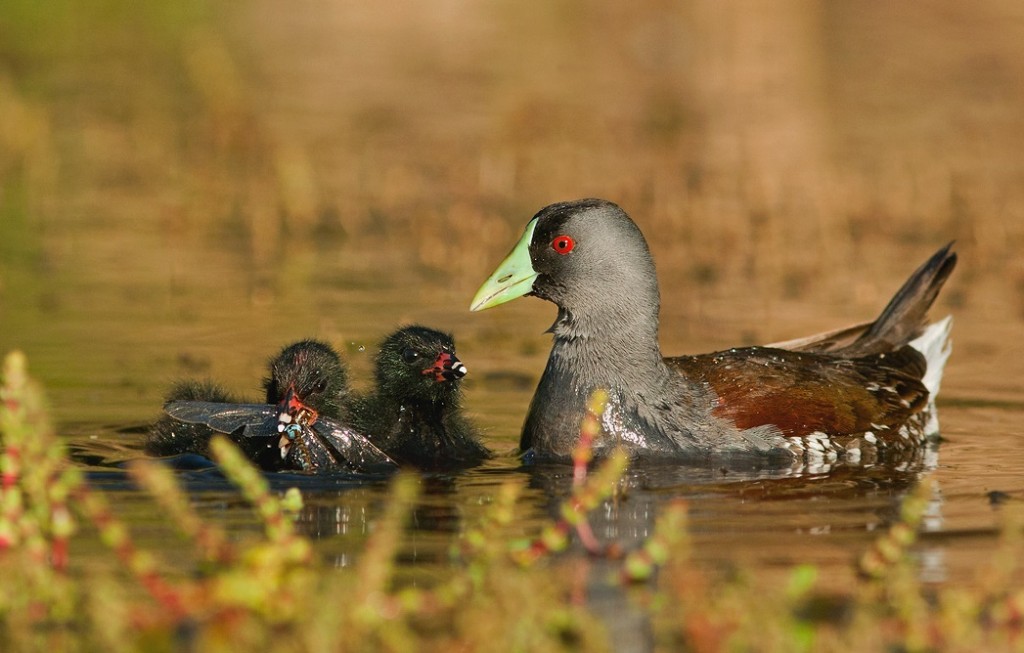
x=356 y=170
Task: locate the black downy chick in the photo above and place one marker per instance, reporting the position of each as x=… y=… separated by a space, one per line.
x=415 y=413
x=307 y=389
x=171 y=437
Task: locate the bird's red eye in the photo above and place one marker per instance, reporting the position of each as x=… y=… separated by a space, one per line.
x=563 y=244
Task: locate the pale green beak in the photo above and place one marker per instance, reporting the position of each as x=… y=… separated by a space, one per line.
x=513 y=278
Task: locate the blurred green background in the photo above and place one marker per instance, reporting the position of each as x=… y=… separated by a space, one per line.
x=186 y=186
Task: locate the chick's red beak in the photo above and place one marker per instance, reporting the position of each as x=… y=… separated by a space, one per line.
x=292 y=414
x=447 y=367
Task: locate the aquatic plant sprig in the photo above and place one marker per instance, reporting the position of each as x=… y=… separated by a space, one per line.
x=480 y=549
x=38 y=488
x=36 y=524
x=948 y=617
x=375 y=568
x=159 y=482
x=583 y=452
x=280 y=529
x=670 y=538
x=41 y=486
x=589 y=490
x=141 y=564
x=997 y=577
x=890 y=548
x=265 y=578
x=996 y=597
x=36 y=477
x=478 y=543
x=892 y=581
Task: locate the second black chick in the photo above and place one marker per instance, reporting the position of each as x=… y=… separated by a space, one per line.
x=171 y=437
x=415 y=414
x=308 y=371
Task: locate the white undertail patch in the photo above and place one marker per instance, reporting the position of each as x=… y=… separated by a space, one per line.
x=936 y=346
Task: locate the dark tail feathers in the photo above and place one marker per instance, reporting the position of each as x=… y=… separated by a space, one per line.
x=902 y=320
x=904 y=317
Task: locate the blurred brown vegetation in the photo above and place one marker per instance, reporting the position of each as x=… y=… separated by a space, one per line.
x=736 y=133
x=759 y=142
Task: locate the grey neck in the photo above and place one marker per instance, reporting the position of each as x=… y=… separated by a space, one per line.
x=619 y=349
